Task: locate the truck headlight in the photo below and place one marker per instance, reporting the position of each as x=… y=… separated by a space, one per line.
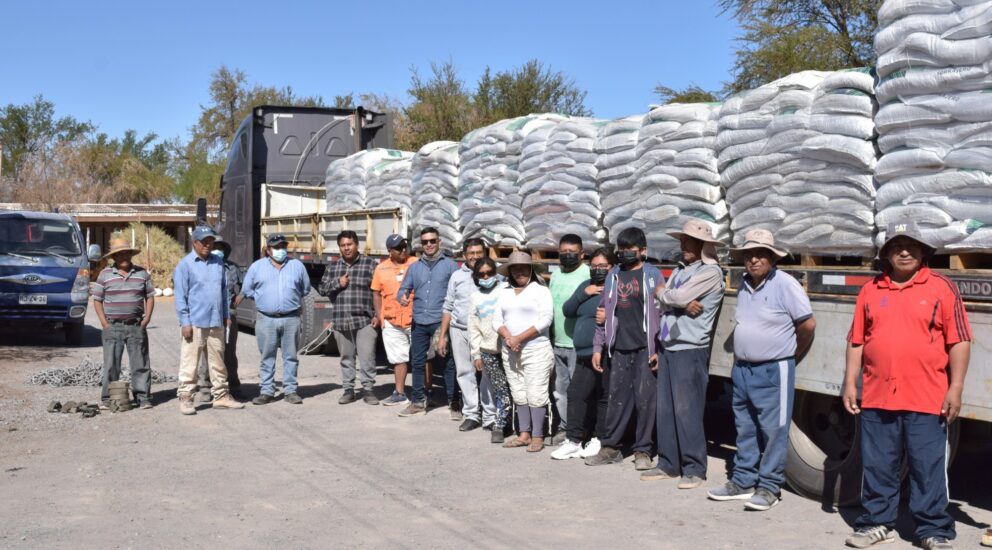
x=81 y=286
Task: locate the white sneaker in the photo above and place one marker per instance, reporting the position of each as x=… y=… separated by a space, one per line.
x=591 y=448
x=568 y=449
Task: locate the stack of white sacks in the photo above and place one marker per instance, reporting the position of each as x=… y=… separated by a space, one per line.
x=489 y=200
x=675 y=176
x=345 y=178
x=616 y=151
x=435 y=191
x=387 y=184
x=558 y=183
x=935 y=119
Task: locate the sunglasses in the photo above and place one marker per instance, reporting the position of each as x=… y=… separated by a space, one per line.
x=428 y=241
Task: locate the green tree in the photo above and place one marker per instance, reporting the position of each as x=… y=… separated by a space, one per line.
x=690 y=94
x=441 y=107
x=195 y=174
x=786 y=36
x=32 y=129
x=531 y=88
x=132 y=169
x=232 y=98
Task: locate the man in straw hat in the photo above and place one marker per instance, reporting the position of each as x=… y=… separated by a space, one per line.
x=911 y=337
x=124 y=298
x=774 y=327
x=204 y=312
x=689 y=304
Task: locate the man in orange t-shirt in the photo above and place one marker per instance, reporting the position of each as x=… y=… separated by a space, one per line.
x=911 y=340
x=396 y=319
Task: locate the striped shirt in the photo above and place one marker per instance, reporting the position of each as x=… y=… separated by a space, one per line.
x=123 y=295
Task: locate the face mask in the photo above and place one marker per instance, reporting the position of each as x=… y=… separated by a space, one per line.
x=279 y=255
x=488 y=283
x=598 y=275
x=628 y=258
x=569 y=259
x=218 y=253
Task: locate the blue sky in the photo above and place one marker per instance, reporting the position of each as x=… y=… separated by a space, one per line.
x=146 y=65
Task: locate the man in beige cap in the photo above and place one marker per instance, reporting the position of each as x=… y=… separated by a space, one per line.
x=774 y=328
x=689 y=304
x=124 y=297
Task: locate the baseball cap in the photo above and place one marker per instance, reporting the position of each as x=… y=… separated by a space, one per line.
x=203 y=232
x=276 y=239
x=395 y=241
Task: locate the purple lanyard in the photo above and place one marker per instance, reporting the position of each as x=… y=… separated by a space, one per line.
x=664 y=326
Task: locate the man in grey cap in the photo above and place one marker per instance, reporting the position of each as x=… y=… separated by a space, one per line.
x=395 y=318
x=204 y=312
x=911 y=338
x=689 y=304
x=774 y=328
x=278 y=284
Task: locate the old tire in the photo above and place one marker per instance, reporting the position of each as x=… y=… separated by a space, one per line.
x=73 y=333
x=824 y=460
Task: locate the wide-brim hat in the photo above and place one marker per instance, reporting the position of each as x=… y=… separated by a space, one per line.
x=908 y=229
x=758 y=238
x=120 y=245
x=519 y=258
x=697 y=229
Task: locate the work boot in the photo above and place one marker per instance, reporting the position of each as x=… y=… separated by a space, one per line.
x=263 y=399
x=293 y=399
x=497 y=437
x=606 y=455
x=656 y=474
x=347 y=397
x=369 y=397
x=186 y=405
x=227 y=402
x=413 y=409
x=642 y=461
x=203 y=397
x=455 y=411
x=468 y=425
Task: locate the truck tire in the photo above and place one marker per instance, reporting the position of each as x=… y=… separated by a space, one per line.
x=73 y=333
x=307 y=318
x=824 y=460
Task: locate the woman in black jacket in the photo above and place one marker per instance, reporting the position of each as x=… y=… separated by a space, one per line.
x=586 y=398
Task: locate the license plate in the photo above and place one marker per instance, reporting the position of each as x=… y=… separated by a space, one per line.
x=32 y=299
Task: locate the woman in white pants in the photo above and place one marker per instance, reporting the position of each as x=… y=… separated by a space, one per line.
x=522 y=318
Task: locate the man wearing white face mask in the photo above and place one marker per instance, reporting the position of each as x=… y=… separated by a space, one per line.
x=233 y=277
x=278 y=284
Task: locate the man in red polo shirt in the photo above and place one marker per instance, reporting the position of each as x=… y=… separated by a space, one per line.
x=911 y=338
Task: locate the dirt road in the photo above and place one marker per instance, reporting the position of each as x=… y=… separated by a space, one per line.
x=324 y=475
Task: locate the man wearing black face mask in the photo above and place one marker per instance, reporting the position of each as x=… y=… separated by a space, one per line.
x=563 y=284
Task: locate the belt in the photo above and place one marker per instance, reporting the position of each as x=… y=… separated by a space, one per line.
x=124 y=321
x=294 y=313
x=750 y=364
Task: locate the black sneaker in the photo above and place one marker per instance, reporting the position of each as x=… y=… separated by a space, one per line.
x=468 y=425
x=263 y=399
x=347 y=397
x=606 y=455
x=730 y=491
x=369 y=397
x=293 y=399
x=455 y=411
x=497 y=437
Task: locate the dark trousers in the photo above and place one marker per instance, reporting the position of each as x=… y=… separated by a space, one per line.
x=587 y=402
x=421 y=337
x=116 y=338
x=632 y=388
x=682 y=378
x=885 y=437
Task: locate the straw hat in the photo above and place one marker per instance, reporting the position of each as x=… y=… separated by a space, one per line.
x=697 y=229
x=759 y=238
x=119 y=244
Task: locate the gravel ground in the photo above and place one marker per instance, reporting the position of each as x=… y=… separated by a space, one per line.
x=324 y=475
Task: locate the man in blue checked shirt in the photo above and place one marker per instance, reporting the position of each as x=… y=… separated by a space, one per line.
x=278 y=284
x=203 y=312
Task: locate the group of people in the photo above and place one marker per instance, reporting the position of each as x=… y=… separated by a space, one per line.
x=582 y=356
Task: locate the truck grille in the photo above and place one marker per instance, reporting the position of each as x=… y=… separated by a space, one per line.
x=55 y=313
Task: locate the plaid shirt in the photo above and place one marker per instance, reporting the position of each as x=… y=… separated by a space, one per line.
x=351 y=307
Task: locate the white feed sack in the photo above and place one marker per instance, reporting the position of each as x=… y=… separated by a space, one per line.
x=935 y=120
x=675 y=177
x=796 y=158
x=387 y=184
x=435 y=191
x=345 y=178
x=558 y=183
x=489 y=199
x=616 y=151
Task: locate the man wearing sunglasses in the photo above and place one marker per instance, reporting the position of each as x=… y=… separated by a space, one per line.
x=427 y=280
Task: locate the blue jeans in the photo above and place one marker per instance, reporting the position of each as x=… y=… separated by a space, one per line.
x=885 y=435
x=420 y=343
x=762 y=404
x=273 y=333
x=682 y=379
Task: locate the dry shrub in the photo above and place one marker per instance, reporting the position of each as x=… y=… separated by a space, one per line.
x=160 y=253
